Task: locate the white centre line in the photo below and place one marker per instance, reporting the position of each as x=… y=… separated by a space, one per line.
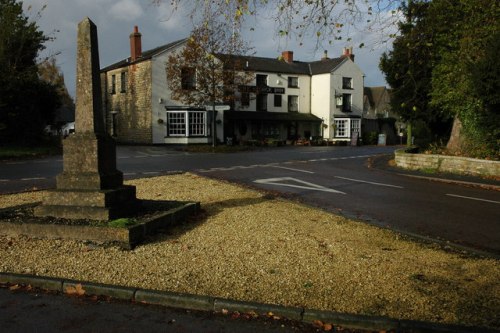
x=34 y=178
x=472 y=198
x=292 y=169
x=367 y=182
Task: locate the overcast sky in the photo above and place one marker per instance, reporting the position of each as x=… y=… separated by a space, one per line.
x=115 y=20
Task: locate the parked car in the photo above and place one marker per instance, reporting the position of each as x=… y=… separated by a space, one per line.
x=67 y=129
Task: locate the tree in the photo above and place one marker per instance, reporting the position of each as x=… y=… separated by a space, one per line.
x=26 y=102
x=466 y=39
x=408 y=70
x=208 y=69
x=50 y=73
x=326 y=21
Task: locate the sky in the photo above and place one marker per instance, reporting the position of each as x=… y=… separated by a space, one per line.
x=115 y=20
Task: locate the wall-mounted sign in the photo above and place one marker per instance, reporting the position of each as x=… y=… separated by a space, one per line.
x=262 y=90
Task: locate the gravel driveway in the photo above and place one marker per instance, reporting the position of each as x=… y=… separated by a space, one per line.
x=251 y=246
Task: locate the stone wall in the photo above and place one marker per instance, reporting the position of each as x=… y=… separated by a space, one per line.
x=443 y=163
x=132 y=106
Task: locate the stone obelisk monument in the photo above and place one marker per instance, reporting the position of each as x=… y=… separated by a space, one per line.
x=90 y=186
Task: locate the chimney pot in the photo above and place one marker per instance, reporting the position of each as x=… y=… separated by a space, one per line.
x=287 y=56
x=325 y=55
x=135 y=44
x=347 y=53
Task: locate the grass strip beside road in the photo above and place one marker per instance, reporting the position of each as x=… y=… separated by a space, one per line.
x=249 y=246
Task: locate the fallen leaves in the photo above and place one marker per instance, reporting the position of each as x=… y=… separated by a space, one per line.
x=324 y=326
x=76 y=290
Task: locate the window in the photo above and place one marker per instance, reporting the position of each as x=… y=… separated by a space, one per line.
x=188 y=78
x=113 y=84
x=186 y=123
x=196 y=123
x=346 y=102
x=262 y=102
x=277 y=101
x=355 y=125
x=341 y=128
x=176 y=123
x=293 y=103
x=347 y=83
x=245 y=99
x=123 y=82
x=261 y=80
x=293 y=82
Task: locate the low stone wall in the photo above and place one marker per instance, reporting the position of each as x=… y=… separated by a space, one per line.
x=443 y=163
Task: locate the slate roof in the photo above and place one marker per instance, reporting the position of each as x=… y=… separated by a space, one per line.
x=256 y=64
x=374 y=95
x=146 y=55
x=271 y=65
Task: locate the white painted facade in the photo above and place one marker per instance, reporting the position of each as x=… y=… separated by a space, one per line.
x=327 y=91
x=301 y=100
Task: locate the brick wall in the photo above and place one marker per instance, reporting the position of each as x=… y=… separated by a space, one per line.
x=133 y=106
x=444 y=163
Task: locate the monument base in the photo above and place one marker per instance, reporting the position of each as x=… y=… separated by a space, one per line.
x=89 y=204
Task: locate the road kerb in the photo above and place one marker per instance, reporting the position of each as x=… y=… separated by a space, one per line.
x=175 y=300
x=41 y=282
x=98 y=289
x=211 y=304
x=259 y=308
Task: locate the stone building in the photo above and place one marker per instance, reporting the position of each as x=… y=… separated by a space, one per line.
x=287 y=100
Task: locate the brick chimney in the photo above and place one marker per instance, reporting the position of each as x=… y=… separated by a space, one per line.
x=287 y=56
x=135 y=45
x=348 y=53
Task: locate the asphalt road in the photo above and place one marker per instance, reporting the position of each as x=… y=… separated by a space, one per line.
x=337 y=179
x=40 y=312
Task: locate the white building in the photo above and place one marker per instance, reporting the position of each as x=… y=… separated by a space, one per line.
x=287 y=100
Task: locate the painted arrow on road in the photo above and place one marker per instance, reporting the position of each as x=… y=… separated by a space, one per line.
x=296 y=183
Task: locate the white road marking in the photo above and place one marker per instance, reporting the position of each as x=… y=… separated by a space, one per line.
x=367 y=182
x=4 y=180
x=34 y=178
x=305 y=185
x=151 y=173
x=472 y=198
x=129 y=174
x=292 y=169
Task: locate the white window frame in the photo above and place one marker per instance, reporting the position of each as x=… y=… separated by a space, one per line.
x=341 y=128
x=197 y=123
x=355 y=126
x=186 y=123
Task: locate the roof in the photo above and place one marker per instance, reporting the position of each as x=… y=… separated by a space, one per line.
x=375 y=95
x=272 y=65
x=146 y=55
x=271 y=116
x=251 y=63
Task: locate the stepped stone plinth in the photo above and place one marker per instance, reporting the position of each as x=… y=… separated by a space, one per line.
x=90 y=186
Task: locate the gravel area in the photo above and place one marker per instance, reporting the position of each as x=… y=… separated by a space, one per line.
x=250 y=246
